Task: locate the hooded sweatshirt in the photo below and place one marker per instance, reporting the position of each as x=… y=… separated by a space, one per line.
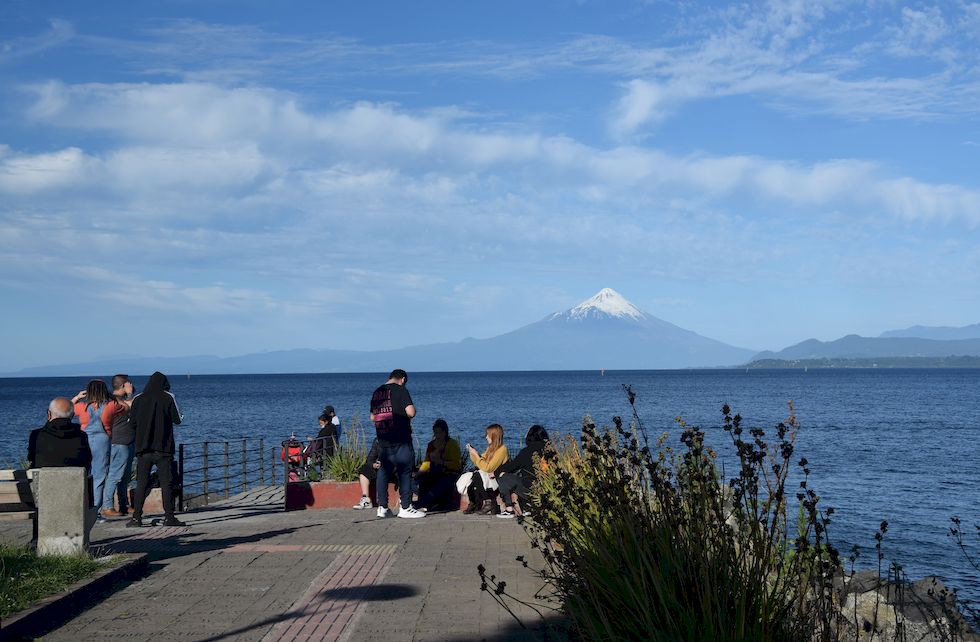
x=523 y=464
x=58 y=443
x=153 y=415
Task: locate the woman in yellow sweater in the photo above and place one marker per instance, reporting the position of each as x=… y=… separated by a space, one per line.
x=479 y=489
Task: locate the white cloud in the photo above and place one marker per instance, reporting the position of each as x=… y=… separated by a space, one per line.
x=261 y=147
x=919 y=32
x=147 y=295
x=31 y=173
x=801 y=56
x=59 y=33
x=642 y=103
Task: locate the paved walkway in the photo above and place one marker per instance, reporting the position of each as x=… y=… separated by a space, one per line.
x=246 y=570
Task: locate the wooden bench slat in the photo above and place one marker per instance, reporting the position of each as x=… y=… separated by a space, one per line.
x=16 y=475
x=12 y=495
x=24 y=514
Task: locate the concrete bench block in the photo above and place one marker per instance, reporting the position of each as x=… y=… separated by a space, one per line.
x=64 y=517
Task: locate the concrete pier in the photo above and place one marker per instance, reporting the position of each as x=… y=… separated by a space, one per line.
x=246 y=570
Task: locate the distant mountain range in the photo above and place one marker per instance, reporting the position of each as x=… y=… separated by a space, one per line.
x=604 y=331
x=856 y=347
x=940 y=333
x=853 y=346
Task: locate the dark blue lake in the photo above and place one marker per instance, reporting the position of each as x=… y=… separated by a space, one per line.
x=901 y=445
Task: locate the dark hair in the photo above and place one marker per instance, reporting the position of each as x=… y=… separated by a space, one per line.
x=96 y=392
x=119 y=381
x=536 y=433
x=398 y=373
x=324 y=417
x=329 y=411
x=440 y=424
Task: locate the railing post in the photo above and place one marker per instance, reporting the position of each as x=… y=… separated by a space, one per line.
x=262 y=459
x=180 y=474
x=206 y=473
x=226 y=469
x=244 y=465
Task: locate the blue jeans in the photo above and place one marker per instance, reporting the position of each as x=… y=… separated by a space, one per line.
x=100 y=445
x=120 y=474
x=397 y=460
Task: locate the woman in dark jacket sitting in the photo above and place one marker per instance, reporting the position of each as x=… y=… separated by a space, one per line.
x=516 y=476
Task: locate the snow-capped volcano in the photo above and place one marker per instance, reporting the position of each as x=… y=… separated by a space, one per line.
x=603 y=332
x=606 y=303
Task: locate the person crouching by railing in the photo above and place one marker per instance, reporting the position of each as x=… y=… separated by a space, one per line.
x=436 y=477
x=479 y=488
x=516 y=476
x=324 y=445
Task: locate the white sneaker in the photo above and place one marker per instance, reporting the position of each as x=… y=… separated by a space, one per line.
x=506 y=515
x=364 y=503
x=410 y=513
x=383 y=512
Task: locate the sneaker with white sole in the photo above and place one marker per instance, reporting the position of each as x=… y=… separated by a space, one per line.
x=506 y=515
x=410 y=513
x=383 y=512
x=364 y=503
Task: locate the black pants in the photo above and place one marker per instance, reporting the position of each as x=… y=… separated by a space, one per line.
x=476 y=492
x=164 y=463
x=512 y=483
x=435 y=490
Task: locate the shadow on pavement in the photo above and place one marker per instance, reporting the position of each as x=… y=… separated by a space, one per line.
x=269 y=621
x=241 y=513
x=549 y=629
x=371 y=593
x=185 y=543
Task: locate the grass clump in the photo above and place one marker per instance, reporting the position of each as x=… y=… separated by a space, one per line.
x=652 y=543
x=25 y=578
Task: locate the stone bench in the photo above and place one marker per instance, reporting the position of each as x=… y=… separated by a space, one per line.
x=58 y=499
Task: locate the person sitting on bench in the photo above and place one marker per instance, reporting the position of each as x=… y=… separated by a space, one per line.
x=435 y=479
x=516 y=476
x=59 y=442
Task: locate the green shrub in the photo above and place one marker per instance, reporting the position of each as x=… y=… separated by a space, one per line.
x=651 y=543
x=349 y=455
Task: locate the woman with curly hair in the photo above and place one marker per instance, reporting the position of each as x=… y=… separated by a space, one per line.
x=89 y=404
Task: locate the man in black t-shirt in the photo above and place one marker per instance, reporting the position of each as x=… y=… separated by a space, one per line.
x=392 y=411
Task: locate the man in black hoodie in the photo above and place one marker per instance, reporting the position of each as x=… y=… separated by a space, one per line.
x=153 y=415
x=59 y=442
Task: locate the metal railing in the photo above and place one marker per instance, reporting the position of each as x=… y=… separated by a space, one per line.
x=218 y=469
x=215 y=470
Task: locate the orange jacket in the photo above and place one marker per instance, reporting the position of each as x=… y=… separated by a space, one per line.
x=84 y=417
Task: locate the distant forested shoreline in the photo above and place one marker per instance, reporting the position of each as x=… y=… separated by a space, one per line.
x=869 y=362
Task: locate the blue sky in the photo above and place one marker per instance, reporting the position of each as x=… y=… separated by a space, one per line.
x=228 y=177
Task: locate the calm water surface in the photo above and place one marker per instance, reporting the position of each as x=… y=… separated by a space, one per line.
x=901 y=445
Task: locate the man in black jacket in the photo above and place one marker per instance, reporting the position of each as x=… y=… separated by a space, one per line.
x=59 y=442
x=153 y=415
